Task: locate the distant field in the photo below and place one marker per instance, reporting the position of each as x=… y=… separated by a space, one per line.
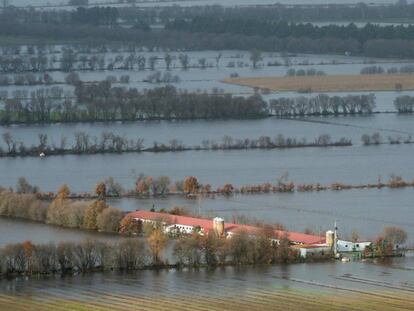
x=249 y=300
x=349 y=83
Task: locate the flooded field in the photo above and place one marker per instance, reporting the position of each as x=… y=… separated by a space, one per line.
x=329 y=286
x=44 y=81
x=202 y=2
x=17 y=231
x=196 y=77
x=355 y=165
x=364 y=211
x=192 y=133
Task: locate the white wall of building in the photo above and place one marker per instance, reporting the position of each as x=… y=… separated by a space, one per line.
x=348 y=246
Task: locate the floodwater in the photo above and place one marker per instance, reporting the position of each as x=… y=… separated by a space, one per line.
x=17 y=231
x=365 y=211
x=194 y=132
x=204 y=2
x=356 y=164
x=231 y=62
x=248 y=283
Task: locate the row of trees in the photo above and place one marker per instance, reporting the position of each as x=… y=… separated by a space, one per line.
x=112 y=143
x=83 y=144
x=192 y=251
x=151 y=15
x=190 y=186
x=68 y=257
x=137 y=253
x=277 y=12
x=159 y=186
x=323 y=104
x=387 y=46
x=404 y=104
x=301 y=72
x=92 y=215
x=38 y=106
x=26 y=79
x=74 y=58
x=377 y=139
x=102 y=102
x=372 y=70
x=283 y=29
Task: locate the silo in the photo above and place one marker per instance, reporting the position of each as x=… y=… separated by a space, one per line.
x=330 y=238
x=218 y=226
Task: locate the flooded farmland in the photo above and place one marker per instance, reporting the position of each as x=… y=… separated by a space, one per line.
x=380 y=285
x=301 y=164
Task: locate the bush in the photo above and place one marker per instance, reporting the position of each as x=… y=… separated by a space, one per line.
x=109 y=220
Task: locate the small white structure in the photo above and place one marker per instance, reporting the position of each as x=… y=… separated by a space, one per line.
x=42 y=155
x=348 y=246
x=312 y=250
x=177 y=228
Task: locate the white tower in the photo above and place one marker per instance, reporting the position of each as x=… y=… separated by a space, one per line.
x=335 y=246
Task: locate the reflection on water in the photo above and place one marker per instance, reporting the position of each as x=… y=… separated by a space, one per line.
x=17 y=231
x=220 y=282
x=210 y=2
x=194 y=132
x=354 y=165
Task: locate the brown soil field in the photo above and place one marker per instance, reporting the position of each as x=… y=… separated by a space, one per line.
x=249 y=300
x=337 y=83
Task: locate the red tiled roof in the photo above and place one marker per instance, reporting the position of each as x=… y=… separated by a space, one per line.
x=207 y=225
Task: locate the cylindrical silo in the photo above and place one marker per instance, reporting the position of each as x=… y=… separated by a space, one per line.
x=330 y=238
x=218 y=226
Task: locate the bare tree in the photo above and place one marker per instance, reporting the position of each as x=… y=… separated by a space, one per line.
x=255 y=57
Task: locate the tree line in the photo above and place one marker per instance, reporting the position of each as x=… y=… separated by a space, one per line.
x=102 y=102
x=225 y=28
x=277 y=12
x=404 y=104
x=132 y=254
x=283 y=29
x=192 y=250
x=302 y=72
x=138 y=15
x=377 y=139
x=62 y=211
x=323 y=104
x=26 y=79
x=112 y=143
x=392 y=46
x=374 y=70
x=161 y=186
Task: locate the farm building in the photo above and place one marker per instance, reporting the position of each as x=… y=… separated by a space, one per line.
x=333 y=244
x=313 y=250
x=185 y=224
x=347 y=246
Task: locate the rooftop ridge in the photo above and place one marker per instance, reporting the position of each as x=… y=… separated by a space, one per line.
x=207 y=225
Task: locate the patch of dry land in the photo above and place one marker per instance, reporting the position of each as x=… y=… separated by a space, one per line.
x=343 y=83
x=248 y=300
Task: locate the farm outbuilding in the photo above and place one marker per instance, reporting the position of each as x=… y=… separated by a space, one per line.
x=187 y=225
